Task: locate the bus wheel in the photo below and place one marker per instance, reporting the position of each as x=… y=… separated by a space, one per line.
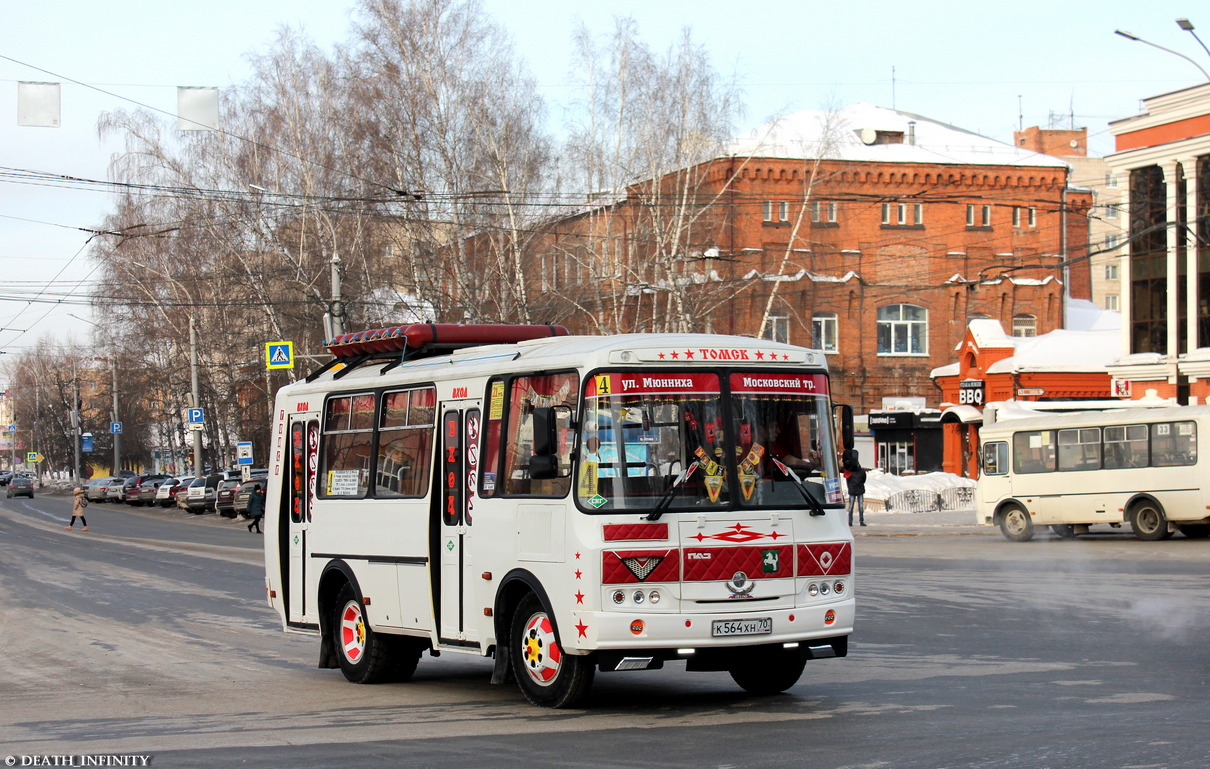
x=1064 y=530
x=1196 y=530
x=361 y=652
x=1016 y=525
x=546 y=676
x=1149 y=522
x=765 y=673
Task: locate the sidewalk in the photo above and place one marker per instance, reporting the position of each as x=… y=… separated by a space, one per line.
x=937 y=523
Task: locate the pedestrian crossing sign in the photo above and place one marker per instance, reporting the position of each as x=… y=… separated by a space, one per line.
x=279 y=354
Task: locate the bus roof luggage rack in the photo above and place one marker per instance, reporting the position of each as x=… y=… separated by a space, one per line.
x=419 y=340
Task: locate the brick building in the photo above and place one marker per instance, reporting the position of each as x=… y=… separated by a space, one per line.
x=870 y=233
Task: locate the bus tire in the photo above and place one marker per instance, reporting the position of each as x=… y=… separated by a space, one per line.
x=1015 y=524
x=546 y=676
x=1064 y=530
x=761 y=672
x=363 y=655
x=1148 y=521
x=1196 y=530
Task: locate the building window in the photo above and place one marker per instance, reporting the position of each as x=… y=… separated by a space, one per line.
x=1111 y=302
x=1033 y=216
x=1025 y=325
x=1113 y=211
x=1017 y=217
x=783 y=211
x=1111 y=241
x=902 y=210
x=1111 y=272
x=823 y=331
x=902 y=330
x=898 y=214
x=777 y=328
x=768 y=211
x=823 y=211
x=978 y=216
x=886 y=213
x=919 y=213
x=1111 y=179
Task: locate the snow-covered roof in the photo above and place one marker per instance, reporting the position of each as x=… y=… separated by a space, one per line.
x=839 y=136
x=989 y=333
x=1063 y=350
x=1083 y=315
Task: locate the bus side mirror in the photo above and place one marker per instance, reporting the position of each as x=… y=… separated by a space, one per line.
x=545 y=461
x=846 y=425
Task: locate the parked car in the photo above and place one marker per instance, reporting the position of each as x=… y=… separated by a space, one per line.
x=142 y=490
x=5 y=477
x=115 y=490
x=94 y=489
x=20 y=486
x=200 y=495
x=240 y=505
x=163 y=492
x=224 y=497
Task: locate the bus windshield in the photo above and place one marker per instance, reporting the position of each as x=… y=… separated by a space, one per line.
x=740 y=440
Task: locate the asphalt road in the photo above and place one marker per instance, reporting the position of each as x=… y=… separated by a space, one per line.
x=149 y=636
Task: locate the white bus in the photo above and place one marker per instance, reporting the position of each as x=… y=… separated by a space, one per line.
x=1073 y=470
x=562 y=505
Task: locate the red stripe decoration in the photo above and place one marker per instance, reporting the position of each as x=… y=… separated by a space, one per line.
x=708 y=564
x=623 y=567
x=827 y=559
x=615 y=532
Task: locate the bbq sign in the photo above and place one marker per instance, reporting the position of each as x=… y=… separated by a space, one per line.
x=970 y=392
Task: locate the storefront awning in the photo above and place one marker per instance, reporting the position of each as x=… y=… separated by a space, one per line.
x=965 y=414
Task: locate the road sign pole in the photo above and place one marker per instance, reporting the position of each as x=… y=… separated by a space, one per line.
x=197 y=397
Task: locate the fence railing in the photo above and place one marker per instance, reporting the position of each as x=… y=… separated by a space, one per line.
x=927 y=501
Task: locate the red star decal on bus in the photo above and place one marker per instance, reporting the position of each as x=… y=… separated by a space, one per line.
x=579 y=597
x=661 y=356
x=578 y=573
x=675 y=355
x=688 y=353
x=581 y=628
x=760 y=355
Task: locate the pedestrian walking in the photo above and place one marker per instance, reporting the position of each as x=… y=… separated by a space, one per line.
x=855 y=476
x=78 y=502
x=256 y=508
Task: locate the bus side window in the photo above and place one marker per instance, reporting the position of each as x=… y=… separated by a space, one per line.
x=995 y=458
x=526 y=393
x=1034 y=452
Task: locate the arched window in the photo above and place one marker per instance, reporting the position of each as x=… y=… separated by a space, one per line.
x=902 y=330
x=823 y=331
x=1025 y=325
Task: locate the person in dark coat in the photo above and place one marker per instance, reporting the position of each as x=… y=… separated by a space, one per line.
x=855 y=476
x=256 y=508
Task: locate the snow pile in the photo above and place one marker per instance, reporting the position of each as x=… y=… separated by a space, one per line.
x=880 y=485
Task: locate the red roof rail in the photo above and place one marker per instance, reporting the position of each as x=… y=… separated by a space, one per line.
x=434 y=336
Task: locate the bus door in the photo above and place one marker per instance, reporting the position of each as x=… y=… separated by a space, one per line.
x=298 y=495
x=454 y=521
x=994 y=479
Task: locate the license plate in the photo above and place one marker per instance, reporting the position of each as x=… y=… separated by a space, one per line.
x=757 y=626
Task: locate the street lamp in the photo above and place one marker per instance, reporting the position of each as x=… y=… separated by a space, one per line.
x=1136 y=38
x=1187 y=25
x=113 y=361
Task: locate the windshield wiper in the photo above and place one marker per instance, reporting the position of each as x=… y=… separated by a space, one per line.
x=666 y=500
x=816 y=508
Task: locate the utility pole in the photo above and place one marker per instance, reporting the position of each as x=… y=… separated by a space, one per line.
x=196 y=396
x=336 y=308
x=75 y=427
x=117 y=456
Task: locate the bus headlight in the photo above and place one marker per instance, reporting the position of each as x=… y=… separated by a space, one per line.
x=618 y=596
x=813 y=590
x=638 y=596
x=824 y=588
x=654 y=596
x=838 y=588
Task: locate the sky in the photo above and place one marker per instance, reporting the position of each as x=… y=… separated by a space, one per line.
x=985 y=67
